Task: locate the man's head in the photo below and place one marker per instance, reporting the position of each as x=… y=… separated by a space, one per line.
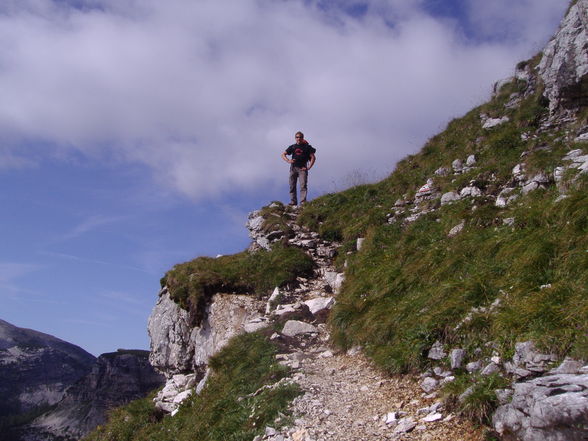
x=299 y=137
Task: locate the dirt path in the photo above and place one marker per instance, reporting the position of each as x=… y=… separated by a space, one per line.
x=345 y=398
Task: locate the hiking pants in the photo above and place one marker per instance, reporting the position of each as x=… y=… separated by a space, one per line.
x=296 y=172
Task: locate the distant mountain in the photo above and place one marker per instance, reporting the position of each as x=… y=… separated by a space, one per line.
x=35 y=371
x=115 y=379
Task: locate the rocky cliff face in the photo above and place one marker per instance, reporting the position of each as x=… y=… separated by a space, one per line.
x=36 y=368
x=564 y=65
x=181 y=352
x=115 y=379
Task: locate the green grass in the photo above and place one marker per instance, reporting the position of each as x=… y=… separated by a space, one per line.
x=412 y=285
x=191 y=284
x=222 y=411
x=481 y=401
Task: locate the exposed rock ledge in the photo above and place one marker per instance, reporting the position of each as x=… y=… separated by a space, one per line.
x=564 y=66
x=181 y=352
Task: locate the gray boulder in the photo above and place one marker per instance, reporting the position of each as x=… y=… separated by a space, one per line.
x=564 y=65
x=293 y=328
x=456 y=358
x=550 y=408
x=449 y=197
x=437 y=352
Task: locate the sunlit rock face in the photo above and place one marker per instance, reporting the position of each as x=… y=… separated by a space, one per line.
x=564 y=66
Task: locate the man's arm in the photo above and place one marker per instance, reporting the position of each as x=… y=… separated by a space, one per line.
x=312 y=161
x=289 y=161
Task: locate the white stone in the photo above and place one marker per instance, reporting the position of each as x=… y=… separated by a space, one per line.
x=360 y=241
x=429 y=384
x=531 y=186
x=457 y=165
x=426 y=189
x=509 y=221
x=405 y=425
x=572 y=154
x=202 y=382
x=391 y=418
x=456 y=230
x=284 y=309
x=471 y=160
x=436 y=352
x=449 y=197
x=319 y=303
x=295 y=327
x=432 y=417
x=493 y=122
x=470 y=191
x=474 y=366
x=490 y=369
x=272 y=299
x=254 y=326
x=182 y=396
x=456 y=358
x=565 y=58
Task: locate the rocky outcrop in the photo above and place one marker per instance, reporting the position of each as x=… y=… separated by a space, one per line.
x=36 y=368
x=115 y=379
x=549 y=408
x=564 y=66
x=181 y=351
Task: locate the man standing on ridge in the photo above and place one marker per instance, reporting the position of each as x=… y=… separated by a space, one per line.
x=302 y=153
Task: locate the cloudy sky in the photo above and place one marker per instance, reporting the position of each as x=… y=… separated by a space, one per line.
x=138 y=134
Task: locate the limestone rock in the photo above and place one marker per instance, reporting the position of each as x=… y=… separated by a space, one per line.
x=554 y=407
x=470 y=191
x=429 y=384
x=456 y=358
x=169 y=330
x=489 y=123
x=457 y=229
x=437 y=352
x=564 y=65
x=405 y=425
x=449 y=197
x=360 y=241
x=529 y=358
x=319 y=303
x=295 y=327
x=457 y=165
x=177 y=347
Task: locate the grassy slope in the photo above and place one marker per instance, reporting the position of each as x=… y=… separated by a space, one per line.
x=219 y=413
x=410 y=286
x=192 y=283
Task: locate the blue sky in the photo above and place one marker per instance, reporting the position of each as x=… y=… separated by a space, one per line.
x=137 y=135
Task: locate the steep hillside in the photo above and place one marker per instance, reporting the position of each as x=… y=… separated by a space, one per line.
x=465 y=273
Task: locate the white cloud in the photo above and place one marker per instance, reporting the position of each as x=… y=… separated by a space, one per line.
x=208 y=94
